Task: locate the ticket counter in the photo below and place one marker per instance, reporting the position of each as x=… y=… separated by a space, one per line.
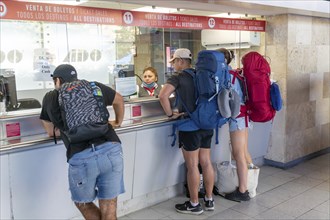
x=34 y=170
x=101 y=46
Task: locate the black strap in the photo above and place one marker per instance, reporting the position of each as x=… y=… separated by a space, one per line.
x=55 y=141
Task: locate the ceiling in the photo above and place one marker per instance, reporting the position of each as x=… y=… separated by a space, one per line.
x=318 y=8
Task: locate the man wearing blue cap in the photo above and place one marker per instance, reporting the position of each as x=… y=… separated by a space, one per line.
x=96 y=163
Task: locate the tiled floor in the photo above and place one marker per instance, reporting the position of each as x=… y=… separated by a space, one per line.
x=301 y=192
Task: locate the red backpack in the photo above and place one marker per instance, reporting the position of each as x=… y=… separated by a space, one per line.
x=255 y=84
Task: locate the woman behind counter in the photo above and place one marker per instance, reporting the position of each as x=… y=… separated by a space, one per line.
x=149 y=86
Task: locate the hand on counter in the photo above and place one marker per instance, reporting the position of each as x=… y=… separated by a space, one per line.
x=114 y=124
x=176 y=115
x=57 y=132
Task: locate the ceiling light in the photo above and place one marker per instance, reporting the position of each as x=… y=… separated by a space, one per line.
x=227 y=15
x=157 y=9
x=232 y=15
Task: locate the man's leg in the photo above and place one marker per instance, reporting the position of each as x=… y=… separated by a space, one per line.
x=207 y=169
x=191 y=160
x=89 y=210
x=108 y=209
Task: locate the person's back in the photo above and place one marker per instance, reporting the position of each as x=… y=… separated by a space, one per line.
x=89 y=159
x=239 y=143
x=195 y=144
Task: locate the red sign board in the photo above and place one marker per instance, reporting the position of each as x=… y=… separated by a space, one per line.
x=33 y=11
x=146 y=19
x=17 y=10
x=13 y=130
x=136 y=111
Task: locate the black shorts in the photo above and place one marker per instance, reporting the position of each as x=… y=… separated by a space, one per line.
x=193 y=140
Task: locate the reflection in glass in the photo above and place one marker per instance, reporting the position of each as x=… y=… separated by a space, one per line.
x=98 y=52
x=2 y=56
x=14 y=56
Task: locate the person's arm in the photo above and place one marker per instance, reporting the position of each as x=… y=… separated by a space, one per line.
x=49 y=127
x=164 y=99
x=119 y=109
x=49 y=105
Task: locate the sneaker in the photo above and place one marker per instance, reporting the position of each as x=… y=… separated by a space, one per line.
x=187 y=208
x=237 y=196
x=209 y=205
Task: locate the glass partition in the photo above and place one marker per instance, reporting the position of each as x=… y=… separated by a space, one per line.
x=30 y=51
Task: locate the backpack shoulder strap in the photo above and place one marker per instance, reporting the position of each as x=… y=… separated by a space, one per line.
x=237 y=73
x=190 y=71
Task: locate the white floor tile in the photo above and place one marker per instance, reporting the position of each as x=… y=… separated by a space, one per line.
x=229 y=214
x=307 y=181
x=286 y=175
x=177 y=215
x=312 y=214
x=146 y=214
x=251 y=208
x=292 y=209
x=324 y=207
x=294 y=189
x=267 y=170
x=324 y=186
x=263 y=187
x=270 y=199
x=273 y=214
x=275 y=181
x=300 y=192
x=313 y=197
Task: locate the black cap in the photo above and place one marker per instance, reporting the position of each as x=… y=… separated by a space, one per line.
x=67 y=72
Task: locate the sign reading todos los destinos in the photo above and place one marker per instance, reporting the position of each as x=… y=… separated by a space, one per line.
x=18 y=10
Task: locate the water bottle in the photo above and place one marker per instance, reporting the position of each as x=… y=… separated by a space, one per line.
x=96 y=90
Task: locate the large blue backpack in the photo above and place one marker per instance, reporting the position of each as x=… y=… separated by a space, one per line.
x=211 y=78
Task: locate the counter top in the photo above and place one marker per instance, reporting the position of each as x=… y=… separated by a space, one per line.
x=139 y=113
x=32 y=140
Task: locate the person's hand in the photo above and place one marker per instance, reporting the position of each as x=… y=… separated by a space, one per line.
x=176 y=115
x=57 y=132
x=114 y=124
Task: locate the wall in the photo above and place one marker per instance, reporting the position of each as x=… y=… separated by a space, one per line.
x=299 y=49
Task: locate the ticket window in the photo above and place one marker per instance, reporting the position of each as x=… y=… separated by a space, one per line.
x=33 y=49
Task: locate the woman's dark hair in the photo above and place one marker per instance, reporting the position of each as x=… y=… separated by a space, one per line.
x=229 y=55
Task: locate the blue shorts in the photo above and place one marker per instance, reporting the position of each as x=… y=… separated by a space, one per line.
x=97 y=172
x=239 y=124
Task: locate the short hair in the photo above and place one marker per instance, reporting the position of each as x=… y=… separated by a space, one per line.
x=187 y=59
